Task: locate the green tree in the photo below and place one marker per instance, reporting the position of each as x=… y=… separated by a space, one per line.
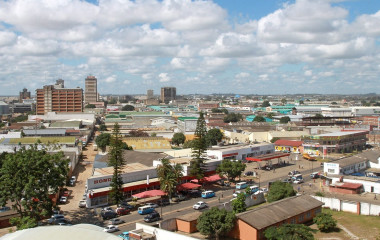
x=90 y=106
x=126 y=147
x=138 y=133
x=265 y=103
x=280 y=190
x=259 y=119
x=283 y=101
x=274 y=139
x=153 y=134
x=289 y=232
x=285 y=119
x=112 y=101
x=116 y=161
x=169 y=175
x=231 y=169
x=270 y=115
x=27 y=179
x=199 y=146
x=216 y=110
x=213 y=136
x=301 y=102
x=325 y=222
x=318 y=115
x=102 y=127
x=128 y=108
x=103 y=140
x=238 y=204
x=178 y=138
x=188 y=144
x=334 y=103
x=215 y=222
x=233 y=117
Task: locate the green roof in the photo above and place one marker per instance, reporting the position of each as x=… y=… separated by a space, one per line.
x=65 y=124
x=44 y=140
x=187 y=118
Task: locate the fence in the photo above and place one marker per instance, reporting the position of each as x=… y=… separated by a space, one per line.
x=361 y=208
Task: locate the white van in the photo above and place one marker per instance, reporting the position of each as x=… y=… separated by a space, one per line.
x=254 y=188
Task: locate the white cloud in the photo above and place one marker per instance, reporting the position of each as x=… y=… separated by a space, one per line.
x=164 y=77
x=111 y=79
x=242 y=75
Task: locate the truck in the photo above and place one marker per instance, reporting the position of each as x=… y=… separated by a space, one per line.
x=308 y=157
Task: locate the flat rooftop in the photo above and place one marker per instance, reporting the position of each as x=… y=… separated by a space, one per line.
x=237 y=147
x=129 y=167
x=338 y=134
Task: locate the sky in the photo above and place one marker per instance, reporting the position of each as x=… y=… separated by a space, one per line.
x=220 y=46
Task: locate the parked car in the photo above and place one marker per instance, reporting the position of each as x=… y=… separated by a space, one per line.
x=208 y=194
x=314 y=175
x=108 y=215
x=73 y=180
x=4 y=209
x=82 y=203
x=235 y=194
x=124 y=235
x=254 y=188
x=84 y=196
x=258 y=192
x=200 y=205
x=178 y=198
x=122 y=211
x=249 y=173
x=55 y=217
x=63 y=199
x=145 y=210
x=298 y=181
x=152 y=205
x=62 y=222
x=287 y=180
x=264 y=189
x=163 y=202
x=111 y=228
x=115 y=221
x=107 y=209
x=292 y=173
x=154 y=216
x=126 y=205
x=195 y=193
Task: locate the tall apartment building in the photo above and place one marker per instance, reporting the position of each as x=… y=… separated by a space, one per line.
x=149 y=94
x=168 y=94
x=24 y=95
x=55 y=98
x=91 y=90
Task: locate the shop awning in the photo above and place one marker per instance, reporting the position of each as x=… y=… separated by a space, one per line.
x=267 y=157
x=212 y=178
x=188 y=186
x=151 y=193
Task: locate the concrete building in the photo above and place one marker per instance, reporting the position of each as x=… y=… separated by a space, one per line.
x=56 y=98
x=91 y=90
x=250 y=225
x=365 y=111
x=187 y=125
x=4 y=109
x=336 y=142
x=240 y=152
x=25 y=94
x=168 y=94
x=149 y=94
x=336 y=112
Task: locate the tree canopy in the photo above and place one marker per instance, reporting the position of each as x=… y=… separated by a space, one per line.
x=90 y=106
x=218 y=110
x=215 y=222
x=128 y=108
x=178 y=138
x=233 y=117
x=213 y=136
x=169 y=175
x=102 y=127
x=231 y=169
x=138 y=133
x=199 y=146
x=259 y=119
x=116 y=161
x=325 y=222
x=285 y=119
x=279 y=190
x=27 y=179
x=265 y=103
x=289 y=232
x=103 y=140
x=238 y=204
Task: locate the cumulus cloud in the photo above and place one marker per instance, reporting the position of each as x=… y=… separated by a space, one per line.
x=164 y=77
x=111 y=79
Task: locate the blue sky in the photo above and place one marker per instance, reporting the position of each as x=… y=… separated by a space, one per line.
x=241 y=46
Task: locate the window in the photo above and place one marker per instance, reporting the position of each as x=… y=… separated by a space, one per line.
x=318 y=210
x=308 y=214
x=300 y=218
x=292 y=221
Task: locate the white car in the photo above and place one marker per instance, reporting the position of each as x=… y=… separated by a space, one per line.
x=63 y=199
x=298 y=181
x=152 y=205
x=235 y=194
x=111 y=228
x=258 y=192
x=264 y=189
x=82 y=203
x=115 y=221
x=200 y=205
x=107 y=209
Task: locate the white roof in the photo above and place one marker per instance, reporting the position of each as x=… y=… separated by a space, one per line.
x=79 y=231
x=337 y=134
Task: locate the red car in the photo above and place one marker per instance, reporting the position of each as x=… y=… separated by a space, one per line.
x=122 y=211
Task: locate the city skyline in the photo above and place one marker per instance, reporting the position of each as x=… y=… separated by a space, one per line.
x=245 y=47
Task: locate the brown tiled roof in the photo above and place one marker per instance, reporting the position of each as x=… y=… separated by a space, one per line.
x=278 y=211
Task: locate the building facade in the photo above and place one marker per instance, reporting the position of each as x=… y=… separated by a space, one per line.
x=53 y=98
x=24 y=95
x=168 y=94
x=91 y=90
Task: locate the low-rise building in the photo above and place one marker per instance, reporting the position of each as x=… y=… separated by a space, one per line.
x=240 y=152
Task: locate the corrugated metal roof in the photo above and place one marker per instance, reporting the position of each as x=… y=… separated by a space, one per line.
x=279 y=211
x=45 y=132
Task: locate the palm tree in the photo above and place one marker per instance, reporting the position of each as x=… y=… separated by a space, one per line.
x=169 y=175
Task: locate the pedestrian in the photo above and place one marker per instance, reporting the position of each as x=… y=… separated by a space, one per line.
x=375 y=198
x=219 y=198
x=309 y=184
x=299 y=188
x=222 y=195
x=299 y=166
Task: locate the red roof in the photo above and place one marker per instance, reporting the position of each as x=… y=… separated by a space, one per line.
x=212 y=178
x=349 y=185
x=290 y=143
x=151 y=193
x=188 y=185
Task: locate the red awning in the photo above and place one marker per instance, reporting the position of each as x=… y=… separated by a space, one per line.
x=212 y=178
x=188 y=186
x=151 y=193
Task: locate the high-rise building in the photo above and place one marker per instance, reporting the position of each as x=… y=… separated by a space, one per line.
x=91 y=90
x=55 y=98
x=168 y=94
x=24 y=95
x=149 y=94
